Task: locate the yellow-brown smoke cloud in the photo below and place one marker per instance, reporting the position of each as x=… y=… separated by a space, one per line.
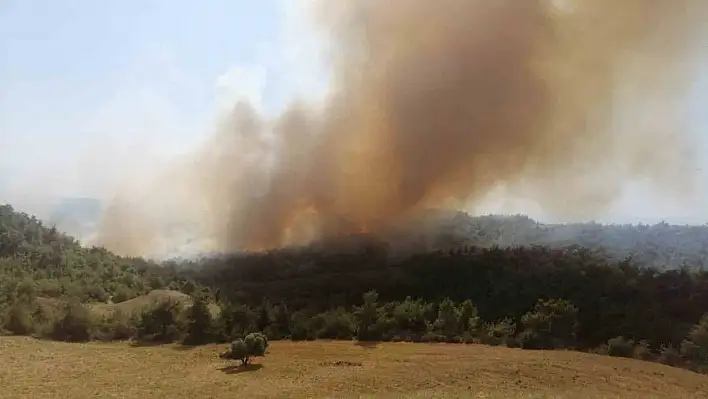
x=437 y=100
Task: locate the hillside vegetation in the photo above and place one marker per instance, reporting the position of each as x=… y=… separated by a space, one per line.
x=356 y=287
x=662 y=245
x=41 y=370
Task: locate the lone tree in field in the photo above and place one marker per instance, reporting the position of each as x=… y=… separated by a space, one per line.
x=255 y=344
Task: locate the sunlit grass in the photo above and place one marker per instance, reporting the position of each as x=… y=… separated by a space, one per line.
x=43 y=369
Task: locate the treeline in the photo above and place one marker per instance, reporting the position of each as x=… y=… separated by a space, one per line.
x=613 y=298
x=549 y=324
x=662 y=245
x=533 y=297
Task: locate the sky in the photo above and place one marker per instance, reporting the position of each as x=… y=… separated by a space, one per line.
x=94 y=90
x=88 y=86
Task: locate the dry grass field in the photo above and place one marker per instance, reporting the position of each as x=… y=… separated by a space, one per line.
x=41 y=369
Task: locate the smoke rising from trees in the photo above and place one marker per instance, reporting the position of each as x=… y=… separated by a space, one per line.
x=438 y=103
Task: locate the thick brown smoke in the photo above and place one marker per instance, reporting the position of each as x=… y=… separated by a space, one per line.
x=561 y=101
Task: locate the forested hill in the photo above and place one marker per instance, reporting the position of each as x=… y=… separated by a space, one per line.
x=39 y=260
x=317 y=290
x=661 y=246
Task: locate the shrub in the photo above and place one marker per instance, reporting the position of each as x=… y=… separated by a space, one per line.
x=551 y=324
x=18 y=320
x=620 y=347
x=447 y=323
x=642 y=351
x=200 y=329
x=499 y=333
x=695 y=347
x=433 y=337
x=122 y=294
x=669 y=356
x=73 y=325
x=253 y=345
x=234 y=321
x=335 y=324
x=366 y=317
x=280 y=327
x=116 y=326
x=162 y=323
x=407 y=320
x=470 y=321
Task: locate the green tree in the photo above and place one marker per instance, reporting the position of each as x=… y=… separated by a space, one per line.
x=334 y=324
x=199 y=323
x=253 y=345
x=552 y=324
x=620 y=347
x=162 y=323
x=447 y=323
x=499 y=333
x=469 y=321
x=695 y=347
x=18 y=319
x=366 y=316
x=235 y=320
x=263 y=319
x=73 y=325
x=280 y=327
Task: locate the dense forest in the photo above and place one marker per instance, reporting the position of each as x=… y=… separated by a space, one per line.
x=485 y=288
x=662 y=246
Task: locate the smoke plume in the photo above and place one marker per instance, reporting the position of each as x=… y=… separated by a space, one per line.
x=441 y=102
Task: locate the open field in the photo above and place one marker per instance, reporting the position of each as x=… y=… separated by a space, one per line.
x=42 y=369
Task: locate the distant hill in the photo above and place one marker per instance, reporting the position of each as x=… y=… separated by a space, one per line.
x=49 y=263
x=662 y=245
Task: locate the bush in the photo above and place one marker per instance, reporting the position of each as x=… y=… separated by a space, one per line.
x=253 y=345
x=280 y=327
x=73 y=325
x=18 y=320
x=116 y=326
x=366 y=317
x=407 y=320
x=499 y=333
x=551 y=324
x=300 y=327
x=433 y=337
x=642 y=351
x=234 y=321
x=620 y=347
x=162 y=323
x=669 y=356
x=335 y=324
x=470 y=321
x=695 y=347
x=447 y=323
x=122 y=294
x=200 y=329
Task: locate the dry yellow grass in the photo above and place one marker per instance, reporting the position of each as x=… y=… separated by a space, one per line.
x=40 y=369
x=142 y=303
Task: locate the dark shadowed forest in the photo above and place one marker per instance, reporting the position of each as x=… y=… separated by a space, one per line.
x=634 y=291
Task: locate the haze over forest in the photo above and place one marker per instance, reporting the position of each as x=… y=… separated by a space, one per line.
x=533 y=108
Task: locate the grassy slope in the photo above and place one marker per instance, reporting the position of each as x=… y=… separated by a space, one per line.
x=142 y=303
x=37 y=369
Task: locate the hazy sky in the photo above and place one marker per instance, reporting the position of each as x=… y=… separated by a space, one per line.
x=90 y=88
x=87 y=86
